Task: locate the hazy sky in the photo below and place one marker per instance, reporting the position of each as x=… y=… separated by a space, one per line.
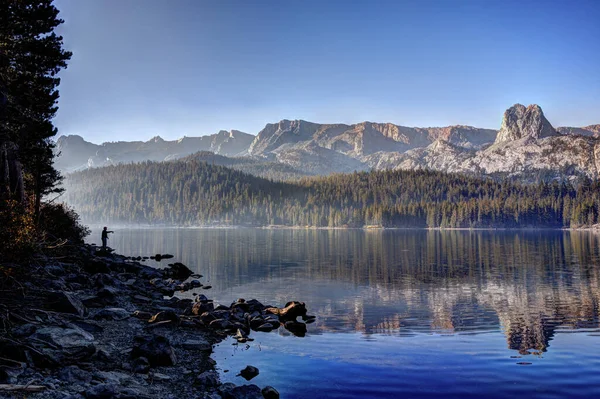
x=174 y=68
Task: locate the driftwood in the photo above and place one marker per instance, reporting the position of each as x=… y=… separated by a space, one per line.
x=21 y=388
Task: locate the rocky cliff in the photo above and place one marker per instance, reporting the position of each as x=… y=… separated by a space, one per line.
x=527 y=146
x=520 y=122
x=75 y=153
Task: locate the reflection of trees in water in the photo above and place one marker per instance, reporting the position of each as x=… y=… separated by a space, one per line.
x=402 y=281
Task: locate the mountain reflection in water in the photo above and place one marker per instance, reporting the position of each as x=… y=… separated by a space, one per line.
x=530 y=284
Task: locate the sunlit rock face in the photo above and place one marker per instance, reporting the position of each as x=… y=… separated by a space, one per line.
x=527 y=147
x=591 y=130
x=521 y=122
x=74 y=153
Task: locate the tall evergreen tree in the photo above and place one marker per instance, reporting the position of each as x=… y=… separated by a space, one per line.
x=31 y=55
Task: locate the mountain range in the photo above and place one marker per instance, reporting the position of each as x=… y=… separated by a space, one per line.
x=526 y=146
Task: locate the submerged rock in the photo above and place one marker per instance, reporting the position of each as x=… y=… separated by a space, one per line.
x=230 y=391
x=178 y=271
x=296 y=328
x=249 y=372
x=269 y=392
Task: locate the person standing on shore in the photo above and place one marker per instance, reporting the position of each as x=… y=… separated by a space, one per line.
x=105 y=237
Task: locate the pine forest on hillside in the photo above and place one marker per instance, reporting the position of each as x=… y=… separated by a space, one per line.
x=195 y=193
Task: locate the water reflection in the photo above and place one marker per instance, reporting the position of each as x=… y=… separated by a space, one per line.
x=400 y=282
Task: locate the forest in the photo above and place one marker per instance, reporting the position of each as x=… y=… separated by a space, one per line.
x=192 y=192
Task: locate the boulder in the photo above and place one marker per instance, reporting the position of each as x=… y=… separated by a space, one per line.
x=96 y=265
x=249 y=372
x=200 y=307
x=139 y=314
x=230 y=391
x=62 y=337
x=65 y=302
x=179 y=271
x=255 y=306
x=208 y=379
x=24 y=331
x=102 y=391
x=156 y=349
x=221 y=324
x=197 y=345
x=296 y=328
x=74 y=375
x=167 y=315
x=140 y=365
x=269 y=392
x=290 y=311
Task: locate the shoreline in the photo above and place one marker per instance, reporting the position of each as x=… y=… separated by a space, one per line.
x=88 y=324
x=595 y=228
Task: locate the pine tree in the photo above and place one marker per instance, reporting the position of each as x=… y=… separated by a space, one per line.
x=31 y=55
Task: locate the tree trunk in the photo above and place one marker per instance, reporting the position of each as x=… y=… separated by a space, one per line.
x=11 y=174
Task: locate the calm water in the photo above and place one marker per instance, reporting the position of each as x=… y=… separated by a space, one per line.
x=411 y=314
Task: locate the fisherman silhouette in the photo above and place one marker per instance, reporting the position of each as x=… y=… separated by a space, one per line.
x=105 y=237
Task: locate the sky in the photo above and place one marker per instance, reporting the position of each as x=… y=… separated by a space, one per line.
x=191 y=67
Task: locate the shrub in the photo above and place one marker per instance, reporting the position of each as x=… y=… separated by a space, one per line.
x=17 y=230
x=58 y=221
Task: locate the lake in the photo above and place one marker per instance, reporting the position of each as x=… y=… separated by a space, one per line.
x=405 y=313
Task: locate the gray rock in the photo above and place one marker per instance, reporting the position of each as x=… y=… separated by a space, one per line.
x=24 y=331
x=167 y=315
x=56 y=270
x=296 y=328
x=140 y=365
x=267 y=327
x=96 y=265
x=64 y=337
x=102 y=391
x=520 y=122
x=112 y=314
x=159 y=377
x=141 y=298
x=66 y=302
x=197 y=344
x=74 y=375
x=200 y=307
x=221 y=324
x=242 y=392
x=208 y=379
x=114 y=377
x=156 y=349
x=138 y=314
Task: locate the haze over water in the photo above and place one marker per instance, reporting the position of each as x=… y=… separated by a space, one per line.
x=405 y=312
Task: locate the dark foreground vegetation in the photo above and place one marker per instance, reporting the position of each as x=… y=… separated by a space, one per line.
x=192 y=192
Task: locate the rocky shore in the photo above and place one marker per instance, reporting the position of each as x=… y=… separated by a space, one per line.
x=89 y=324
